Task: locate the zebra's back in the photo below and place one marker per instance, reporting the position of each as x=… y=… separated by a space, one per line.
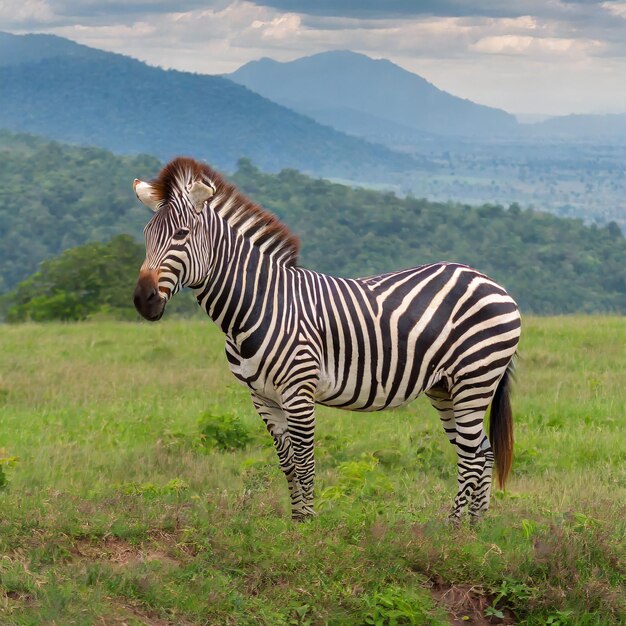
x=388 y=338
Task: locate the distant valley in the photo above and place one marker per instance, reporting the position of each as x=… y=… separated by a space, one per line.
x=572 y=165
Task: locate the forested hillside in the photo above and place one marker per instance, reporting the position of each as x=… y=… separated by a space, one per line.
x=72 y=93
x=53 y=197
x=550 y=264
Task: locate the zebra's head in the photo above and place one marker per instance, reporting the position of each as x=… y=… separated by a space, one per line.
x=177 y=238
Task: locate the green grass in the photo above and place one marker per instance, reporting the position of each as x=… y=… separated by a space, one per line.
x=119 y=510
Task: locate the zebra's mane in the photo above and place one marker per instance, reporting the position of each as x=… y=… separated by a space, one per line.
x=254 y=222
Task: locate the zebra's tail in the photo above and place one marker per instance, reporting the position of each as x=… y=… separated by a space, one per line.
x=501 y=426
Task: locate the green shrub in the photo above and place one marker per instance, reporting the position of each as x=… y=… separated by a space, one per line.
x=6 y=462
x=356 y=479
x=394 y=606
x=224 y=432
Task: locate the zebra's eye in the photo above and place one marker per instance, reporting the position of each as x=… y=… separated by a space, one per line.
x=181 y=233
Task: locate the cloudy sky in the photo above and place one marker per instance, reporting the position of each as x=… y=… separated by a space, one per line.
x=526 y=56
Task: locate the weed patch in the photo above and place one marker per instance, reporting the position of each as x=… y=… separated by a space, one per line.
x=176 y=486
x=394 y=606
x=223 y=432
x=6 y=462
x=357 y=480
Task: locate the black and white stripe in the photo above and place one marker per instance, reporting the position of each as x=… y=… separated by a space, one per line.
x=296 y=337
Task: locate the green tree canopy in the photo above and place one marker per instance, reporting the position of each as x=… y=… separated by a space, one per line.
x=82 y=281
x=54 y=197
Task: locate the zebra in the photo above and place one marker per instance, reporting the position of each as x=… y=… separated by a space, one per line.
x=296 y=338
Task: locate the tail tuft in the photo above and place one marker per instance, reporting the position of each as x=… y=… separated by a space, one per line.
x=501 y=426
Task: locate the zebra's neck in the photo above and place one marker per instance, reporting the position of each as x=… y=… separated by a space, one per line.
x=240 y=271
x=260 y=227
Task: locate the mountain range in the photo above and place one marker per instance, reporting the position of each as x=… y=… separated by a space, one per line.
x=338 y=114
x=605 y=128
x=57 y=88
x=380 y=101
x=371 y=97
x=353 y=119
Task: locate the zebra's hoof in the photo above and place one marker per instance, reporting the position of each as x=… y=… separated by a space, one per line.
x=302 y=515
x=454 y=521
x=477 y=516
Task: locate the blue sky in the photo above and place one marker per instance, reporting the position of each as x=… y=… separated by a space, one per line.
x=526 y=56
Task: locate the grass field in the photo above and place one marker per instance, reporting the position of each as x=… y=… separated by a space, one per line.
x=118 y=511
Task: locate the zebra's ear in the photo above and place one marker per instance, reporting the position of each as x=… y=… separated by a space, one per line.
x=199 y=194
x=145 y=193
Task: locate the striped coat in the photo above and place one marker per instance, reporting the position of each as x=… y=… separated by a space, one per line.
x=297 y=338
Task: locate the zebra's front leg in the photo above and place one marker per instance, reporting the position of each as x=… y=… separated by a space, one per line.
x=300 y=412
x=276 y=423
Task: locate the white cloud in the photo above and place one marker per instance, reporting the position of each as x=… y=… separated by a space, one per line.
x=559 y=57
x=615 y=8
x=14 y=13
x=536 y=46
x=204 y=40
x=279 y=28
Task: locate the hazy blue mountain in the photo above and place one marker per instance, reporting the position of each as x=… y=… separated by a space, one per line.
x=370 y=97
x=20 y=49
x=59 y=89
x=373 y=128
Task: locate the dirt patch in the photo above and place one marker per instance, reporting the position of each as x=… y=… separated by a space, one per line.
x=120 y=552
x=22 y=597
x=466 y=605
x=127 y=614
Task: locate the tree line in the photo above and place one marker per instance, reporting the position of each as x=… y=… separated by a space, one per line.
x=61 y=209
x=551 y=265
x=92 y=280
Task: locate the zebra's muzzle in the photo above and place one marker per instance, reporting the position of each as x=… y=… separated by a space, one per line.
x=148 y=302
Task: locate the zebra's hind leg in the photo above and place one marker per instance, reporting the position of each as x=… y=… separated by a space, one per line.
x=475 y=462
x=462 y=421
x=441 y=400
x=482 y=492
